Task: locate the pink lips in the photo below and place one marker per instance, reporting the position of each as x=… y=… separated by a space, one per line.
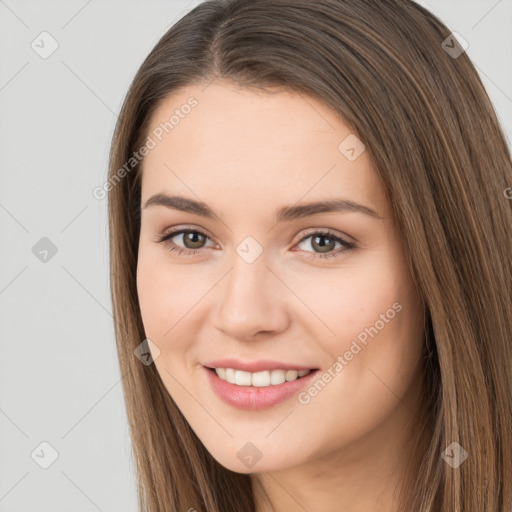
x=256 y=398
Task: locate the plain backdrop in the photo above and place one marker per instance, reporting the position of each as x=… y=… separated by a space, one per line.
x=61 y=402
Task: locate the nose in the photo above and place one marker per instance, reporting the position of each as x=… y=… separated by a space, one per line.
x=251 y=301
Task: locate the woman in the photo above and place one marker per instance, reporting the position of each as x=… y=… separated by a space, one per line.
x=310 y=238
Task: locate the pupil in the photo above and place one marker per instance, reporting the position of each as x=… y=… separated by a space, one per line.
x=323 y=246
x=191 y=237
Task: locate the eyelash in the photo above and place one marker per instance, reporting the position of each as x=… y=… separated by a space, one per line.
x=325 y=233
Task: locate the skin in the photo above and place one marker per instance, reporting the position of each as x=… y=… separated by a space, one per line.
x=246 y=154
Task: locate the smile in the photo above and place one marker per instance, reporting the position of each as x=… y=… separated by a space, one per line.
x=259 y=379
x=256 y=391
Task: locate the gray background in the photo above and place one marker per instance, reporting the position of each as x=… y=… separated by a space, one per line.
x=59 y=375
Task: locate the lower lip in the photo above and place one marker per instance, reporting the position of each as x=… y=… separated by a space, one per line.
x=252 y=398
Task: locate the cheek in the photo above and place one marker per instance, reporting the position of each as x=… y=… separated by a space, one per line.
x=347 y=301
x=375 y=356
x=153 y=292
x=170 y=297
x=150 y=293
x=370 y=320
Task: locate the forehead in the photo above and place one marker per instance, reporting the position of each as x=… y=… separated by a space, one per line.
x=278 y=147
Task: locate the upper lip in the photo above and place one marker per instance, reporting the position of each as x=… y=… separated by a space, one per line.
x=255 y=366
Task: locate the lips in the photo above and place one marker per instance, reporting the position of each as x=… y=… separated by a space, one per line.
x=255 y=366
x=255 y=398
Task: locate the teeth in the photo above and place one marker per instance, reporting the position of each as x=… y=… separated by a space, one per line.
x=242 y=378
x=291 y=375
x=221 y=372
x=259 y=379
x=277 y=377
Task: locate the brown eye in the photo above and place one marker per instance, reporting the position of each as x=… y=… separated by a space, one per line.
x=318 y=242
x=324 y=245
x=193 y=239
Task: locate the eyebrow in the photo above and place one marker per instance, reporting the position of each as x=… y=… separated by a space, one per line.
x=284 y=214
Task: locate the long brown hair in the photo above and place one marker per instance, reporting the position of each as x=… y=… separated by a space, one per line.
x=397 y=77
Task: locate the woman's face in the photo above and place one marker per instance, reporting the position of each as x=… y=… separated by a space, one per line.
x=269 y=283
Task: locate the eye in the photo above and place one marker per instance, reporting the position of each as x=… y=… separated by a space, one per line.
x=192 y=239
x=326 y=249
